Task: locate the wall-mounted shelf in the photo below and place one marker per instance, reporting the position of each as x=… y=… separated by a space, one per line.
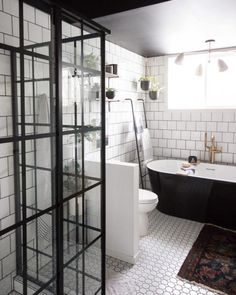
x=110 y=76
x=90 y=72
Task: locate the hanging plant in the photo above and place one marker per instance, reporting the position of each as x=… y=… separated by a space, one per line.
x=145 y=82
x=155 y=89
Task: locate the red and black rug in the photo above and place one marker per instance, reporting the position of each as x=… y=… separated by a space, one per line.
x=212 y=260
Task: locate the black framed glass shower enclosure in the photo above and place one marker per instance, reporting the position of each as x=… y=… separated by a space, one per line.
x=52 y=104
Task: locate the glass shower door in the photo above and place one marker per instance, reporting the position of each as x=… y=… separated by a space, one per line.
x=37 y=161
x=81 y=97
x=51 y=152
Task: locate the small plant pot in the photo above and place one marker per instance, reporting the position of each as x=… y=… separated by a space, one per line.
x=153 y=95
x=109 y=69
x=145 y=85
x=110 y=94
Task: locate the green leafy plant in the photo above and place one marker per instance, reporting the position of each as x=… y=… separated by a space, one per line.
x=91 y=61
x=145 y=78
x=69 y=182
x=110 y=89
x=155 y=86
x=90 y=136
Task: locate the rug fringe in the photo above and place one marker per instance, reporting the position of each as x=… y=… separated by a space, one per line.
x=202 y=286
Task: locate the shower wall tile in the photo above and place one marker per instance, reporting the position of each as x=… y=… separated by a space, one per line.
x=36 y=29
x=35 y=33
x=11 y=7
x=8 y=264
x=42 y=19
x=5 y=247
x=3 y=167
x=29 y=13
x=6 y=23
x=187 y=127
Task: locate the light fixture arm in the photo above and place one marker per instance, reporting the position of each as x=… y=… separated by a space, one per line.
x=209 y=41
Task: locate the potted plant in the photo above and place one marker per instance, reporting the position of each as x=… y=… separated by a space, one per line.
x=110 y=93
x=154 y=90
x=91 y=61
x=153 y=93
x=145 y=83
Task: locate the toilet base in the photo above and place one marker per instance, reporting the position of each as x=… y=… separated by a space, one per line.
x=143 y=224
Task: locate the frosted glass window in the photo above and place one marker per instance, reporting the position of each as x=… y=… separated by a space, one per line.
x=213 y=89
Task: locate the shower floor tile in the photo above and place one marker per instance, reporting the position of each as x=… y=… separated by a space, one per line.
x=162 y=253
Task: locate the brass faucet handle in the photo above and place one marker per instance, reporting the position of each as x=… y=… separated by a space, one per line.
x=220 y=149
x=217 y=149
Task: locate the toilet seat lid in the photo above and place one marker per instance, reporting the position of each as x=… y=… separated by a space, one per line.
x=146 y=197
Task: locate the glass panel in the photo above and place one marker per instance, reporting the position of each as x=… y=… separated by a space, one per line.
x=92 y=218
x=41 y=248
x=92 y=56
x=40 y=174
x=92 y=163
x=9 y=29
x=83 y=274
x=7 y=181
x=71 y=51
x=93 y=268
x=73 y=230
x=5 y=95
x=37 y=27
x=81 y=86
x=71 y=94
x=72 y=164
x=8 y=253
x=73 y=278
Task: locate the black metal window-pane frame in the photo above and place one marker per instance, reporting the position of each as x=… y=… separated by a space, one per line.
x=55 y=135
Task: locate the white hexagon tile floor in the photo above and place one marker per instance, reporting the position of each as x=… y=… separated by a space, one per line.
x=162 y=253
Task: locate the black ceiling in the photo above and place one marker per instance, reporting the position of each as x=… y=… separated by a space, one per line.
x=93 y=9
x=152 y=28
x=173 y=26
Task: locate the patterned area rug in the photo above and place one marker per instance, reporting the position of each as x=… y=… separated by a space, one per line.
x=212 y=260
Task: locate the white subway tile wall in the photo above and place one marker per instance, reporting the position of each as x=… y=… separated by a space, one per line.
x=121 y=141
x=36 y=28
x=187 y=127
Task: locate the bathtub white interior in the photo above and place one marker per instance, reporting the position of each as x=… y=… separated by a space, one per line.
x=218 y=172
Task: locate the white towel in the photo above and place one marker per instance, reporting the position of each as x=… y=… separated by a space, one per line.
x=139 y=123
x=147 y=146
x=43 y=109
x=44 y=177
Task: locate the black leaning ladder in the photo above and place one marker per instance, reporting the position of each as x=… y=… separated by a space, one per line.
x=136 y=136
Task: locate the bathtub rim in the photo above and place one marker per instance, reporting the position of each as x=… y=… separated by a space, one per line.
x=203 y=164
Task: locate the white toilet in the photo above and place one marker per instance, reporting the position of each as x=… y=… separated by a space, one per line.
x=147 y=202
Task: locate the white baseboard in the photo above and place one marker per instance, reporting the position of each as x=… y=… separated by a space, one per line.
x=123 y=257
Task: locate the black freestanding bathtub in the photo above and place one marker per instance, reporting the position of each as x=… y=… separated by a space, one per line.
x=208 y=196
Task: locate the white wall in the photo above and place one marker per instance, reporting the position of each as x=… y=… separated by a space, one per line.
x=122 y=234
x=131 y=67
